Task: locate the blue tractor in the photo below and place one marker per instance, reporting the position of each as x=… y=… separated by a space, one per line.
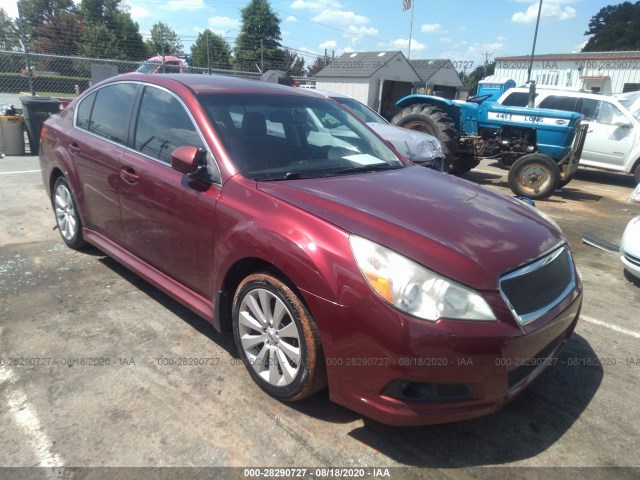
x=540 y=147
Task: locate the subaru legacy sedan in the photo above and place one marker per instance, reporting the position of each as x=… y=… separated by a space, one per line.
x=417 y=298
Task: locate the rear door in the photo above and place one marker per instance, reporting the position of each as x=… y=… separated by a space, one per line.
x=101 y=126
x=167 y=218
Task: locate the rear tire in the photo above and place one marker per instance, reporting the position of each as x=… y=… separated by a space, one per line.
x=534 y=175
x=434 y=121
x=67 y=217
x=277 y=338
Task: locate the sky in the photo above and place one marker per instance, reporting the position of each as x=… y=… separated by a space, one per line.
x=465 y=31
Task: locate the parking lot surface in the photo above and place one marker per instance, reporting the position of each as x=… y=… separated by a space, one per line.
x=98 y=368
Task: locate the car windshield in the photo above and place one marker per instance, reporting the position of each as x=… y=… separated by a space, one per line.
x=282 y=137
x=361 y=111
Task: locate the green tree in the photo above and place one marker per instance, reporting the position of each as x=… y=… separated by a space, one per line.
x=293 y=63
x=614 y=27
x=211 y=51
x=259 y=39
x=164 y=41
x=98 y=42
x=9 y=41
x=9 y=35
x=122 y=39
x=317 y=65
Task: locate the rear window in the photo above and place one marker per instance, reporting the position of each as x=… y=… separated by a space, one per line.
x=516 y=99
x=559 y=102
x=110 y=112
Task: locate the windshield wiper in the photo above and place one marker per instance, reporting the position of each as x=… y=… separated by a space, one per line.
x=365 y=168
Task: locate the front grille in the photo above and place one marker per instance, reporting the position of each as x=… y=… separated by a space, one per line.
x=532 y=290
x=632 y=260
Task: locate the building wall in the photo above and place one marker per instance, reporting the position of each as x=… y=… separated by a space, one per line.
x=357 y=88
x=606 y=75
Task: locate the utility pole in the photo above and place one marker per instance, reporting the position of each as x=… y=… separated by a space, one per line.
x=486 y=62
x=208 y=62
x=26 y=51
x=261 y=56
x=535 y=38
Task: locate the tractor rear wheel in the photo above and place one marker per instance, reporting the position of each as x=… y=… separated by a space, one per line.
x=534 y=175
x=434 y=121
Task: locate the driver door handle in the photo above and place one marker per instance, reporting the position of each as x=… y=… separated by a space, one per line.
x=129 y=175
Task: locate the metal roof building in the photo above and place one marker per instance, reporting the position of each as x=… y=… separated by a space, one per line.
x=437 y=76
x=604 y=72
x=377 y=79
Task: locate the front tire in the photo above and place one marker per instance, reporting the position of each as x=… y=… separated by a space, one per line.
x=534 y=175
x=277 y=338
x=67 y=217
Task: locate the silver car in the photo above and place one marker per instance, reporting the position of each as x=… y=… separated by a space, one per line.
x=416 y=146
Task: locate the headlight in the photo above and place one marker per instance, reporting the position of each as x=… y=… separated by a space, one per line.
x=414 y=289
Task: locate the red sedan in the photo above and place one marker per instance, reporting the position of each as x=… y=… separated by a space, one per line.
x=275 y=214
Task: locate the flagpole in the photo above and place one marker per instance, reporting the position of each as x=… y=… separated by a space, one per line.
x=413 y=4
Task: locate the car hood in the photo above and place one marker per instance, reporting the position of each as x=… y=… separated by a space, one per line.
x=450 y=225
x=416 y=146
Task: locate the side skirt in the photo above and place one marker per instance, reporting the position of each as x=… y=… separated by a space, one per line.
x=182 y=294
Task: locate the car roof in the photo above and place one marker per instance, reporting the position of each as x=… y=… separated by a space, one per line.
x=212 y=83
x=330 y=94
x=552 y=90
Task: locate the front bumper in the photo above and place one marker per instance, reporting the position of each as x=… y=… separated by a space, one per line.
x=400 y=370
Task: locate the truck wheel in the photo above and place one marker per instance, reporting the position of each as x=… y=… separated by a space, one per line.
x=534 y=175
x=636 y=175
x=434 y=121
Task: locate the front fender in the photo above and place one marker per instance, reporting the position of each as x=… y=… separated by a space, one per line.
x=314 y=254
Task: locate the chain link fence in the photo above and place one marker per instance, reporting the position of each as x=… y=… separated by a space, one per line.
x=65 y=77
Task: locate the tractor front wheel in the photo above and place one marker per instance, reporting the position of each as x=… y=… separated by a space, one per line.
x=534 y=175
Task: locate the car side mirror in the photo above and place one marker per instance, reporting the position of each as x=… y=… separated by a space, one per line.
x=191 y=161
x=185 y=159
x=621 y=123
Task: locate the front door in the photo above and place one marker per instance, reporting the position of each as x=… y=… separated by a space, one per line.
x=167 y=218
x=609 y=139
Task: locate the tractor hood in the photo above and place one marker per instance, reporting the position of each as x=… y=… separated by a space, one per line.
x=452 y=226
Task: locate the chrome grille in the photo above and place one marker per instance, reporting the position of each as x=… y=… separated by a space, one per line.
x=534 y=289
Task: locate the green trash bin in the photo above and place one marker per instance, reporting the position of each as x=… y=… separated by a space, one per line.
x=11 y=134
x=35 y=111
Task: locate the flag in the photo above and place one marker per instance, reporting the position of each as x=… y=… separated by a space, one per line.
x=406 y=5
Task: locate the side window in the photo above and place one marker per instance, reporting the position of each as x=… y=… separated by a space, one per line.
x=589 y=108
x=558 y=102
x=516 y=99
x=110 y=111
x=608 y=111
x=163 y=125
x=83 y=113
